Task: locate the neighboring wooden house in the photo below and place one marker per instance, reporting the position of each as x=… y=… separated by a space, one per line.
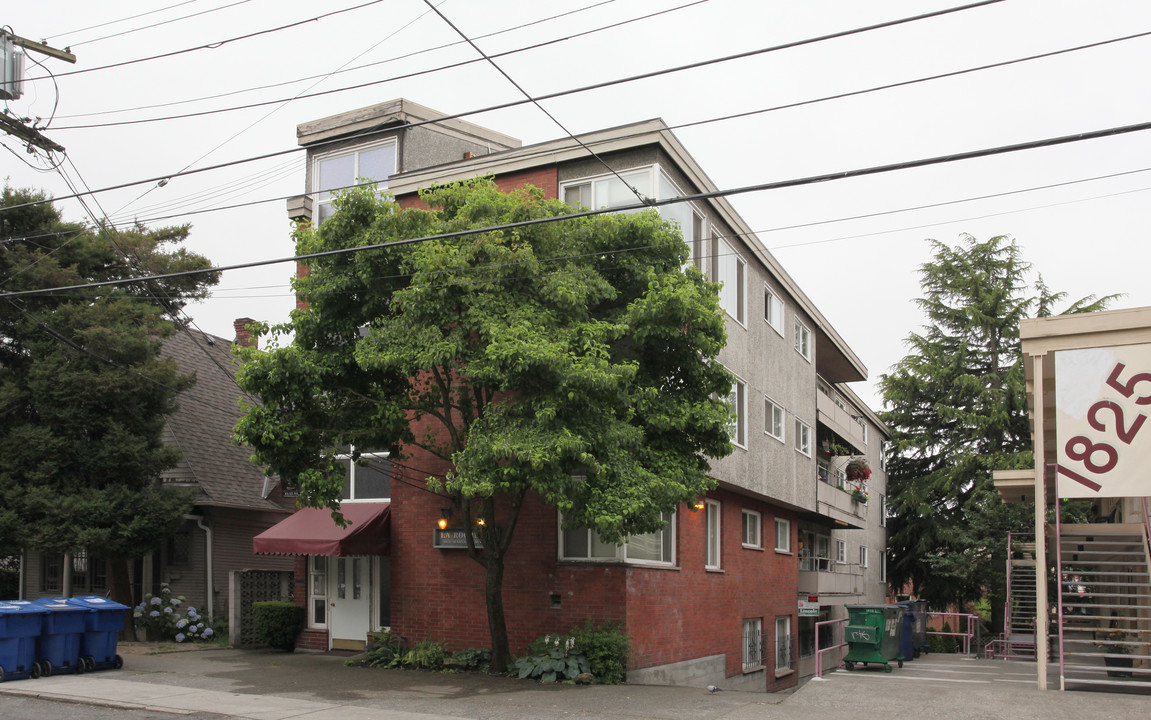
x=235 y=501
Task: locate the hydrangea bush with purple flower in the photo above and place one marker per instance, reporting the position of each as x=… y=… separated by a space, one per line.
x=160 y=616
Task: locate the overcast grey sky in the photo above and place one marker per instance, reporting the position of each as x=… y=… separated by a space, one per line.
x=1080 y=211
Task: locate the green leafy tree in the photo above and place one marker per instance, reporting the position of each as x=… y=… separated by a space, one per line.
x=84 y=392
x=957 y=408
x=572 y=359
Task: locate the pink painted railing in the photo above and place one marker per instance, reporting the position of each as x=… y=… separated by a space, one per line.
x=967 y=634
x=836 y=643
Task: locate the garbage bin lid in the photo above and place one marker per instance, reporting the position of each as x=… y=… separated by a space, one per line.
x=96 y=602
x=14 y=607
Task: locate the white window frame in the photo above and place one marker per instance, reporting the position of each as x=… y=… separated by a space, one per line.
x=883 y=567
x=752 y=644
x=863 y=556
x=783 y=643
x=719 y=254
x=620 y=552
x=356 y=151
x=840 y=551
x=748 y=519
x=782 y=532
x=318 y=590
x=802 y=339
x=771 y=410
x=713 y=536
x=738 y=400
x=802 y=437
x=773 y=311
x=882 y=510
x=365 y=456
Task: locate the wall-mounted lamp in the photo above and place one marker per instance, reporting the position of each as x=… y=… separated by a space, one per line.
x=445 y=513
x=480 y=522
x=700 y=503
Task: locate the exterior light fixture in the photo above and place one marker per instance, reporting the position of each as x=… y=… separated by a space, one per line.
x=700 y=503
x=445 y=513
x=480 y=522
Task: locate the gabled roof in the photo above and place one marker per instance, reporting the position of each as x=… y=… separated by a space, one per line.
x=202 y=426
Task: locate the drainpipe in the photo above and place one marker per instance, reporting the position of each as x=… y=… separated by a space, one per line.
x=208 y=540
x=23 y=570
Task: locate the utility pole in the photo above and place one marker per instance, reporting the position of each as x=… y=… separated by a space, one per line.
x=12 y=85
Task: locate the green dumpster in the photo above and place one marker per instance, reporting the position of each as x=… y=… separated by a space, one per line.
x=873 y=635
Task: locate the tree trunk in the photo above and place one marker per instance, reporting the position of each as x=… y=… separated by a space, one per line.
x=120 y=590
x=497 y=623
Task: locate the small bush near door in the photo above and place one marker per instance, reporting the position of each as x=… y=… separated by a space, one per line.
x=278 y=623
x=606 y=647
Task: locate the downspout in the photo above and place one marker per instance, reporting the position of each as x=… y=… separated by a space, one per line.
x=23 y=570
x=208 y=540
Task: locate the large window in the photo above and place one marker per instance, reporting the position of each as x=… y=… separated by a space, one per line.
x=772 y=310
x=369 y=478
x=712 y=561
x=802 y=340
x=752 y=644
x=738 y=401
x=782 y=643
x=342 y=169
x=751 y=533
x=88 y=573
x=782 y=535
x=730 y=270
x=653 y=547
x=803 y=437
x=814 y=555
x=773 y=419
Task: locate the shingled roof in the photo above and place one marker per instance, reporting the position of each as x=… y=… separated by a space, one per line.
x=202 y=426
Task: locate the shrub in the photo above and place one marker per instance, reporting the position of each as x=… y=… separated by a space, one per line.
x=606 y=647
x=278 y=623
x=428 y=655
x=385 y=651
x=471 y=659
x=165 y=616
x=551 y=658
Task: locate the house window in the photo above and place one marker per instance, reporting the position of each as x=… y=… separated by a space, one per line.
x=782 y=535
x=773 y=417
x=883 y=568
x=840 y=551
x=318 y=591
x=803 y=437
x=89 y=574
x=713 y=536
x=179 y=548
x=729 y=270
x=814 y=556
x=654 y=547
x=862 y=556
x=368 y=477
x=802 y=340
x=609 y=191
x=883 y=510
x=751 y=535
x=752 y=644
x=738 y=401
x=862 y=429
x=50 y=580
x=337 y=170
x=772 y=310
x=782 y=643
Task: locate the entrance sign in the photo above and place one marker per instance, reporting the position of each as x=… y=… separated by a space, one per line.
x=1102 y=400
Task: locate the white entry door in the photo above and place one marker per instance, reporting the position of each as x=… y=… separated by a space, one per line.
x=350 y=601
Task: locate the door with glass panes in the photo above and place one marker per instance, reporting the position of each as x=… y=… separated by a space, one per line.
x=349 y=601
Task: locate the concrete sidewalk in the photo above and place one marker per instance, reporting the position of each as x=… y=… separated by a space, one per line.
x=261 y=685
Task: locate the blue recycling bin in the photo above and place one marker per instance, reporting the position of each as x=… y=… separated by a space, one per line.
x=58 y=647
x=907 y=637
x=20 y=623
x=103 y=623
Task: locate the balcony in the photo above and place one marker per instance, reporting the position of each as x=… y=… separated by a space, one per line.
x=834 y=497
x=834 y=413
x=820 y=576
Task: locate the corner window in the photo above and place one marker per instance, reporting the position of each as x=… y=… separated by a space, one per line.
x=712 y=562
x=782 y=643
x=863 y=556
x=802 y=437
x=738 y=401
x=751 y=534
x=343 y=169
x=772 y=310
x=802 y=340
x=752 y=644
x=654 y=547
x=773 y=419
x=729 y=270
x=782 y=535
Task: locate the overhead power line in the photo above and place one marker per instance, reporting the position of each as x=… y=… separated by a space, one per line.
x=776 y=185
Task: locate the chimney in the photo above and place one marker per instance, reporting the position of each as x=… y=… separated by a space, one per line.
x=244 y=336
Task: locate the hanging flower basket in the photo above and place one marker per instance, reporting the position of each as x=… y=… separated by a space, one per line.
x=859 y=496
x=857 y=470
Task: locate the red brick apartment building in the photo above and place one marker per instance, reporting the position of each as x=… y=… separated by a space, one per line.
x=729 y=593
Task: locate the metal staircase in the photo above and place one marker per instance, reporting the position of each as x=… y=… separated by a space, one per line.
x=1018 y=638
x=1105 y=594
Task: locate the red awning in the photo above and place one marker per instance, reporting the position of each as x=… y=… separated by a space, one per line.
x=312 y=531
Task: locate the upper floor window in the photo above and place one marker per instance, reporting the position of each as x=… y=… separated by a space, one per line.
x=654 y=547
x=863 y=557
x=368 y=478
x=738 y=401
x=782 y=535
x=772 y=310
x=840 y=551
x=345 y=168
x=751 y=523
x=713 y=536
x=729 y=269
x=814 y=553
x=802 y=340
x=773 y=419
x=803 y=437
